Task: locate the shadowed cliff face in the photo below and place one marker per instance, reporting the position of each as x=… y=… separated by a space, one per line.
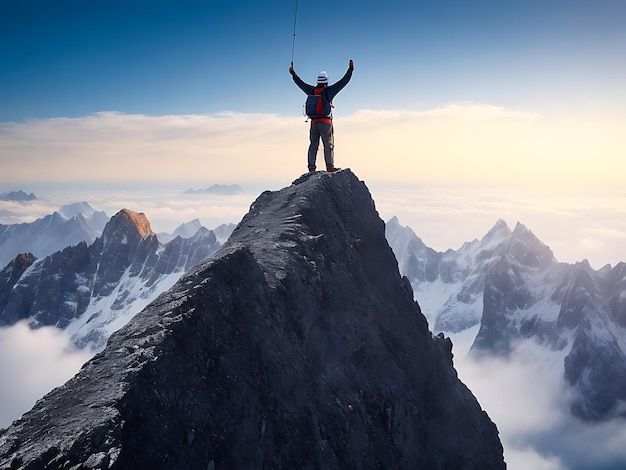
x=297 y=345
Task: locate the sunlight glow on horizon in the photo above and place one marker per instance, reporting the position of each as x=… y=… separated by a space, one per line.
x=462 y=142
x=448 y=172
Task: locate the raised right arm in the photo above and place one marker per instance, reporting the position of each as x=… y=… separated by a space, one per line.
x=305 y=87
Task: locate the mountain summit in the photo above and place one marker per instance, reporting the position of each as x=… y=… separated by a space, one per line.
x=298 y=344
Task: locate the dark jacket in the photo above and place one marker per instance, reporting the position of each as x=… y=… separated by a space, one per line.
x=331 y=90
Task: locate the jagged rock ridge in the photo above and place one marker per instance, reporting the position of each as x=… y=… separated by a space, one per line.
x=297 y=345
x=92 y=290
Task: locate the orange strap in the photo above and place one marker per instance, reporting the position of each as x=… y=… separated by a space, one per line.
x=324 y=119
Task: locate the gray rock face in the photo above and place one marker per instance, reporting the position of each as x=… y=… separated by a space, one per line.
x=90 y=289
x=11 y=274
x=297 y=345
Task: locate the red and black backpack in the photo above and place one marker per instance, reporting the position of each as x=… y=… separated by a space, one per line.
x=318 y=105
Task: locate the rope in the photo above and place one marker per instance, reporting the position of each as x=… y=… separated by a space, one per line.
x=293 y=44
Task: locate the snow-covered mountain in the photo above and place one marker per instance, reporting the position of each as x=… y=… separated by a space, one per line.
x=93 y=289
x=188 y=229
x=184 y=230
x=70 y=225
x=509 y=288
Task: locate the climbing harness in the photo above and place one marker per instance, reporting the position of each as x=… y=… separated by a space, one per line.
x=293 y=44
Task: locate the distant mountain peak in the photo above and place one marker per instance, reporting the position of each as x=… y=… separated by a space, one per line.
x=501 y=224
x=223 y=189
x=187 y=229
x=127 y=220
x=528 y=249
x=393 y=221
x=17 y=196
x=499 y=230
x=583 y=265
x=70 y=210
x=522 y=232
x=520 y=228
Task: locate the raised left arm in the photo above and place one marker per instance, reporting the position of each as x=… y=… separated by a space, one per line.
x=337 y=87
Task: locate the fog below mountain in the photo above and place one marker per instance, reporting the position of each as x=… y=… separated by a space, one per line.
x=32 y=362
x=535 y=425
x=526 y=397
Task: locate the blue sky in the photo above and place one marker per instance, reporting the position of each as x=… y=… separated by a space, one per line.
x=73 y=58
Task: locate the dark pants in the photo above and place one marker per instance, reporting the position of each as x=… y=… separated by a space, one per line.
x=324 y=131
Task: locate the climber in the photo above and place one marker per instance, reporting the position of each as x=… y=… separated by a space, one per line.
x=321 y=118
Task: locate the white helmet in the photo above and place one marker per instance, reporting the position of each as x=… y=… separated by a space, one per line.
x=322 y=77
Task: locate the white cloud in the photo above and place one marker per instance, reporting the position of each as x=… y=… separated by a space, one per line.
x=524 y=459
x=140 y=148
x=527 y=399
x=33 y=362
x=457 y=143
x=19 y=212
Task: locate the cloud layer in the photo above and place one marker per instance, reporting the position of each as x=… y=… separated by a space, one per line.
x=33 y=362
x=525 y=396
x=527 y=399
x=455 y=143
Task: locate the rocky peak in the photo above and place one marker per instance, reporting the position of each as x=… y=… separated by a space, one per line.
x=615 y=292
x=581 y=296
x=393 y=223
x=11 y=274
x=20 y=264
x=297 y=345
x=127 y=242
x=498 y=232
x=418 y=262
x=128 y=223
x=527 y=249
x=188 y=229
x=71 y=210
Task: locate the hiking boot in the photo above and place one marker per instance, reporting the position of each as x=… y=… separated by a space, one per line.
x=311 y=169
x=332 y=169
